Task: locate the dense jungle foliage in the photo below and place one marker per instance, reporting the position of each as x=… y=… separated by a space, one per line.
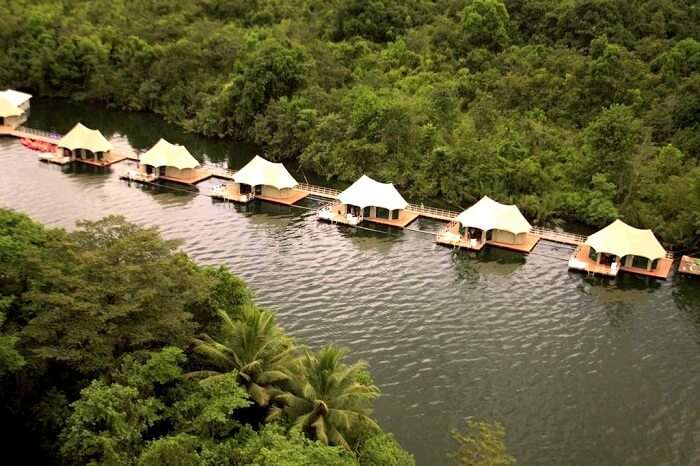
x=577 y=109
x=118 y=350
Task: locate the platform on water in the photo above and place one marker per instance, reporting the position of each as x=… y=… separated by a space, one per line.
x=227 y=193
x=451 y=237
x=333 y=213
x=582 y=261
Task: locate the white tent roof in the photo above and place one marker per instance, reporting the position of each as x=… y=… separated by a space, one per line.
x=16 y=97
x=82 y=137
x=620 y=239
x=488 y=214
x=7 y=108
x=368 y=192
x=164 y=154
x=263 y=172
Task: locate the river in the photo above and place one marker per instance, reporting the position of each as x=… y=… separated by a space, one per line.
x=580 y=371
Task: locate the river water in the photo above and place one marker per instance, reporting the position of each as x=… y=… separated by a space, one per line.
x=580 y=371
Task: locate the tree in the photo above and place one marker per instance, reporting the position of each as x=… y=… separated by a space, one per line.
x=486 y=24
x=11 y=360
x=95 y=301
x=255 y=347
x=383 y=450
x=610 y=141
x=328 y=399
x=273 y=446
x=482 y=444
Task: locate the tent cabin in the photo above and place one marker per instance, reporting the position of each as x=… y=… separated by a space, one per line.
x=619 y=246
x=10 y=114
x=489 y=222
x=265 y=180
x=367 y=199
x=85 y=145
x=14 y=108
x=171 y=162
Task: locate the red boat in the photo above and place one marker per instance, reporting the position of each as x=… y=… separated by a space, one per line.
x=38 y=145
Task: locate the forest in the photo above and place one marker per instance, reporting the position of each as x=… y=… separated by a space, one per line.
x=575 y=110
x=117 y=349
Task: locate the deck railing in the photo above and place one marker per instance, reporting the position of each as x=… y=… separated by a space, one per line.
x=432 y=212
x=37 y=132
x=558 y=236
x=321 y=191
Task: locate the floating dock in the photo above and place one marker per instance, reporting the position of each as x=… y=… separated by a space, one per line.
x=581 y=261
x=227 y=194
x=333 y=213
x=451 y=237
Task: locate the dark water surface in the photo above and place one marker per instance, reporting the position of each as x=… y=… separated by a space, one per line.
x=580 y=371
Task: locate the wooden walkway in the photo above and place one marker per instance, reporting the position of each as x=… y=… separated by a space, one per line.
x=581 y=260
x=562 y=237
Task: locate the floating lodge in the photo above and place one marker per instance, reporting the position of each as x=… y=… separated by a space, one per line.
x=620 y=247
x=489 y=222
x=369 y=200
x=262 y=179
x=615 y=248
x=169 y=162
x=14 y=108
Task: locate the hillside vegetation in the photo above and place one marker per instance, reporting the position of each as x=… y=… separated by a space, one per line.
x=579 y=110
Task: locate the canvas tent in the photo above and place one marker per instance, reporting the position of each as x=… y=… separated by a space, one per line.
x=620 y=239
x=165 y=154
x=81 y=139
x=17 y=98
x=8 y=109
x=261 y=172
x=366 y=192
x=14 y=108
x=488 y=214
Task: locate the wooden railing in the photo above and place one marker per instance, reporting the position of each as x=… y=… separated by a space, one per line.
x=432 y=212
x=558 y=236
x=37 y=132
x=320 y=191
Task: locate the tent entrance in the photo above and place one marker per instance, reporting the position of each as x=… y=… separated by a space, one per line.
x=353 y=210
x=606 y=259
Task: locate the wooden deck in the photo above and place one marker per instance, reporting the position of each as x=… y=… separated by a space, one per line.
x=227 y=193
x=405 y=218
x=527 y=246
x=59 y=159
x=198 y=177
x=297 y=195
x=689 y=266
x=140 y=177
x=581 y=261
x=450 y=237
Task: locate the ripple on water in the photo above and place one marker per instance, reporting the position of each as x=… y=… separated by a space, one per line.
x=580 y=371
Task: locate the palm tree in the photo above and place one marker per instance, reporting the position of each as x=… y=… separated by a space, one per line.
x=255 y=347
x=328 y=399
